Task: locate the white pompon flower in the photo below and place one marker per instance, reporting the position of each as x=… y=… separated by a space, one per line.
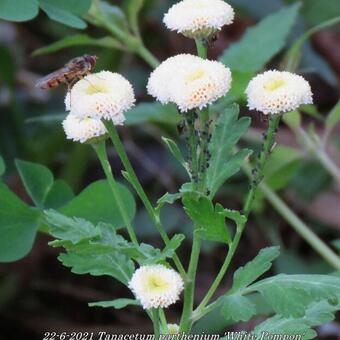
x=103 y=95
x=83 y=129
x=156 y=286
x=274 y=92
x=199 y=18
x=173 y=328
x=189 y=81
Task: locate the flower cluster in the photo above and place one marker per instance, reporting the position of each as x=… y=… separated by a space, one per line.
x=275 y=92
x=189 y=81
x=156 y=286
x=199 y=19
x=97 y=97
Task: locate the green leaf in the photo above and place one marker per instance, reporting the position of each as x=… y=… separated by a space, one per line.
x=145 y=254
x=75 y=6
x=117 y=304
x=167 y=198
x=281 y=166
x=237 y=307
x=37 y=179
x=78 y=40
x=2 y=166
x=270 y=36
x=289 y=295
x=89 y=260
x=95 y=204
x=244 y=276
x=317 y=313
x=18 y=10
x=224 y=162
x=69 y=229
x=175 y=151
x=57 y=11
x=18 y=226
x=91 y=249
x=206 y=217
x=59 y=195
x=154 y=113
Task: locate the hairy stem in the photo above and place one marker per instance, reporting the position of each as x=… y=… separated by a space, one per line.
x=163 y=321
x=100 y=150
x=155 y=321
x=196 y=151
x=258 y=175
x=132 y=177
x=186 y=321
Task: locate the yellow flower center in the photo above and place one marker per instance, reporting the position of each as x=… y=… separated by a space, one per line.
x=274 y=84
x=97 y=88
x=195 y=76
x=157 y=283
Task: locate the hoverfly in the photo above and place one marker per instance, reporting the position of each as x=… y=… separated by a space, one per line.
x=74 y=70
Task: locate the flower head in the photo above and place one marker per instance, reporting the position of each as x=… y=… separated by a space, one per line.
x=274 y=92
x=83 y=129
x=189 y=81
x=103 y=95
x=156 y=286
x=199 y=18
x=173 y=328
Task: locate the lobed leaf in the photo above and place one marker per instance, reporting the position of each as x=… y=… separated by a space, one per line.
x=175 y=151
x=69 y=229
x=224 y=162
x=117 y=304
x=246 y=275
x=209 y=220
x=237 y=307
x=289 y=295
x=316 y=314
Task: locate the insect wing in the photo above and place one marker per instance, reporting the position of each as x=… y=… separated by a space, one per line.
x=53 y=79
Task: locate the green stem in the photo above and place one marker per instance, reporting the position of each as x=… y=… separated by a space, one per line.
x=132 y=177
x=201 y=48
x=189 y=289
x=155 y=321
x=220 y=275
x=266 y=149
x=100 y=150
x=148 y=57
x=319 y=153
x=204 y=143
x=300 y=227
x=164 y=323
